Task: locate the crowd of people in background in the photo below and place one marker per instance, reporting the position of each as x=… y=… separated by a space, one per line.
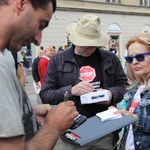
x=40 y=63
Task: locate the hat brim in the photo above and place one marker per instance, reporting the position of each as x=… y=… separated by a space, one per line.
x=82 y=41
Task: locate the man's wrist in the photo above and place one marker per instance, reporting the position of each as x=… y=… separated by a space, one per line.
x=50 y=129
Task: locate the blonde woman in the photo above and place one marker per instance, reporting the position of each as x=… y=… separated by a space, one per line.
x=138 y=96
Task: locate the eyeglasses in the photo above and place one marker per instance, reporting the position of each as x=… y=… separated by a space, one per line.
x=139 y=57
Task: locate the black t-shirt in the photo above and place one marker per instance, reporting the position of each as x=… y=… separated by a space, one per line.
x=91 y=71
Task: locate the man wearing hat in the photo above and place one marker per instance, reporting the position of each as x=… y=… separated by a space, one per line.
x=85 y=68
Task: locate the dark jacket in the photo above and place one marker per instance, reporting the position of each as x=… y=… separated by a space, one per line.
x=35 y=73
x=63 y=72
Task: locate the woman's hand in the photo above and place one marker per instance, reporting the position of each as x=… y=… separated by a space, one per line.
x=127 y=113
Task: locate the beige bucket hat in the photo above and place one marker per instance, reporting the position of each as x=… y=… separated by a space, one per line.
x=87 y=32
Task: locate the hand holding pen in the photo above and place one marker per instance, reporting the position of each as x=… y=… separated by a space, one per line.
x=78 y=120
x=81 y=88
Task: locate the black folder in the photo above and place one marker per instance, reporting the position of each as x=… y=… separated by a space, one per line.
x=94 y=128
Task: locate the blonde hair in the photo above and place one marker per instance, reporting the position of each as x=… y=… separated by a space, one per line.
x=145 y=40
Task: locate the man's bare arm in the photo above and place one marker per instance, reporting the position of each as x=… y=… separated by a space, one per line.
x=57 y=121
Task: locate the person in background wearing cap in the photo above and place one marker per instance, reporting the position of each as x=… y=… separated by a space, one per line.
x=85 y=68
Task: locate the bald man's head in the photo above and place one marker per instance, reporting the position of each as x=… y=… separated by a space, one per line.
x=49 y=50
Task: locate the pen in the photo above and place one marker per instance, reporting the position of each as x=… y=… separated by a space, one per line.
x=66 y=97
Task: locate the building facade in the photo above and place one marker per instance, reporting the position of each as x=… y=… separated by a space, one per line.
x=121 y=19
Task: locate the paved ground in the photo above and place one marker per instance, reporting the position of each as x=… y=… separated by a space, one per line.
x=33 y=98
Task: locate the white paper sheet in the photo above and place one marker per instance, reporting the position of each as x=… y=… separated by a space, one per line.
x=37 y=89
x=108 y=115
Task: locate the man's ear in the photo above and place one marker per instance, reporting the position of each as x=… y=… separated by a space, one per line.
x=20 y=5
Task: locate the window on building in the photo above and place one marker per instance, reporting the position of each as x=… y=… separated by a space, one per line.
x=113 y=1
x=145 y=2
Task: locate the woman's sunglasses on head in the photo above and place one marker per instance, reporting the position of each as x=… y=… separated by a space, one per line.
x=139 y=57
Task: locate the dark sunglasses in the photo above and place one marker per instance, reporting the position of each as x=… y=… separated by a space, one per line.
x=139 y=57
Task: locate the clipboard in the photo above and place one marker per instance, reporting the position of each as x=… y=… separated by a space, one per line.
x=94 y=128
